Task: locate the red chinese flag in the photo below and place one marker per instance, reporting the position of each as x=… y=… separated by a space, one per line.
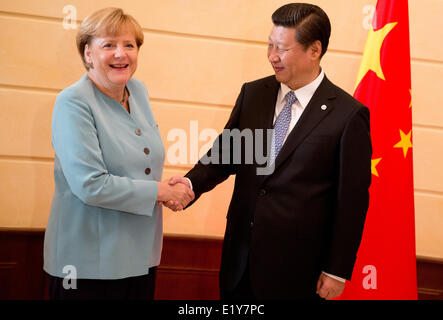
x=386 y=260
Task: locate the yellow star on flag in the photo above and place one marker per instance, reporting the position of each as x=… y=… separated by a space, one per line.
x=371 y=56
x=405 y=142
x=374 y=163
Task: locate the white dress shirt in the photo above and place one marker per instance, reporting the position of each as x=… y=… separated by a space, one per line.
x=303 y=95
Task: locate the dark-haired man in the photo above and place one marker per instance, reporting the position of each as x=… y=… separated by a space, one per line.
x=295 y=232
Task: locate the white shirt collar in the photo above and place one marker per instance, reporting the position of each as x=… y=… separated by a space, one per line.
x=303 y=94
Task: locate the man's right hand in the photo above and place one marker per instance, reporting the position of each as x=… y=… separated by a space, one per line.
x=171 y=204
x=174 y=180
x=174 y=196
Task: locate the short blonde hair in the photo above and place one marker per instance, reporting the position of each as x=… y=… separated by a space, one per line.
x=109 y=21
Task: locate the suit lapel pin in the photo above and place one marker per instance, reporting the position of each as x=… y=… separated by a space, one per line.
x=323 y=107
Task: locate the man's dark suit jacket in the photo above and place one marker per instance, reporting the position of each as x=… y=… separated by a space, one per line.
x=308 y=215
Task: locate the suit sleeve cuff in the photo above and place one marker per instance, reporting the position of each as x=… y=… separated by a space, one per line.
x=190 y=183
x=334 y=277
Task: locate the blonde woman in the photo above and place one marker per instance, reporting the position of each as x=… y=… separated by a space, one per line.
x=106 y=214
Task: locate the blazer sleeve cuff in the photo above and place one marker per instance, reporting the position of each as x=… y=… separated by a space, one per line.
x=334 y=277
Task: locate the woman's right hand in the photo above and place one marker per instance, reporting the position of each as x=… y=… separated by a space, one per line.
x=178 y=195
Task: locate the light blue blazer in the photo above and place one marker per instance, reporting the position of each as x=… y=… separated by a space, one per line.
x=104 y=218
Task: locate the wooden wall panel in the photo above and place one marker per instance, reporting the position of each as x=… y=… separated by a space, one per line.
x=429 y=278
x=188 y=270
x=7 y=272
x=21 y=262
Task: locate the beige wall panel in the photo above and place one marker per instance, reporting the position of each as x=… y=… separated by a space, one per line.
x=205 y=217
x=214 y=80
x=30 y=135
x=250 y=19
x=426 y=29
x=193 y=121
x=235 y=19
x=428 y=159
x=39 y=54
x=200 y=70
x=26 y=190
x=342 y=69
x=427 y=94
x=23 y=180
x=196 y=56
x=428 y=216
x=168 y=73
x=32 y=181
x=25 y=123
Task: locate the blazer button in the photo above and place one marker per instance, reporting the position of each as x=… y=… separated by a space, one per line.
x=146 y=150
x=138 y=132
x=262 y=192
x=148 y=171
x=251 y=224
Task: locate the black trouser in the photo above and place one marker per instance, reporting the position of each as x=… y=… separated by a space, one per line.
x=135 y=288
x=243 y=290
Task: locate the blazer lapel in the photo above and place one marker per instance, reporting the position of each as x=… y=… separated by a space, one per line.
x=267 y=100
x=311 y=117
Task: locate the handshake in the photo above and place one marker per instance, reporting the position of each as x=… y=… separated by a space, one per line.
x=175 y=193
